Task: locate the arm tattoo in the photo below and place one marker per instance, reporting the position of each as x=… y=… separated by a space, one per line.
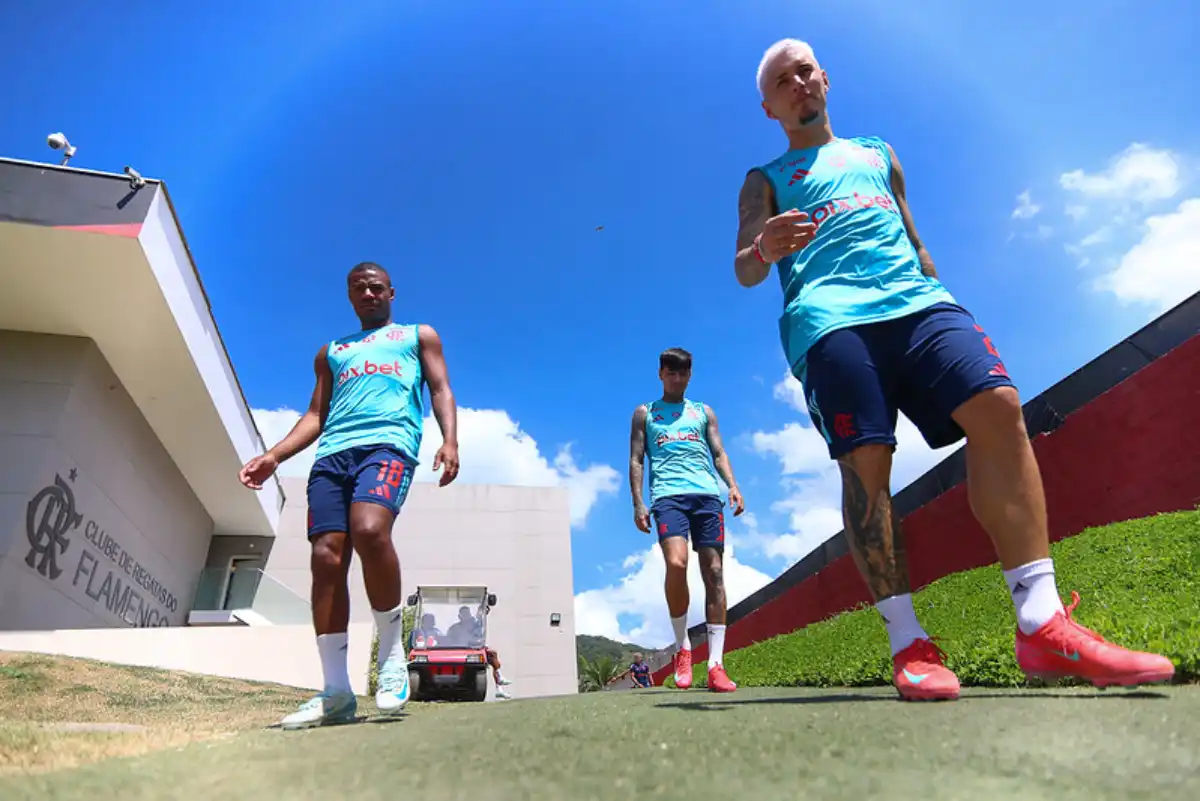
x=717 y=448
x=637 y=455
x=755 y=207
x=874 y=536
x=752 y=209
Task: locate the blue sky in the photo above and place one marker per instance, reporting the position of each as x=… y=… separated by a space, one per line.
x=474 y=148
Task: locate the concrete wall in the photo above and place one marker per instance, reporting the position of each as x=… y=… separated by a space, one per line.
x=515 y=540
x=87 y=492
x=277 y=654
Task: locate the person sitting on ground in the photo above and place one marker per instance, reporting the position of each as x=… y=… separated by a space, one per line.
x=638 y=672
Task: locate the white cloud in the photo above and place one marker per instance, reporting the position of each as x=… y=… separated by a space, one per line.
x=791 y=392
x=1097 y=237
x=799 y=447
x=1139 y=173
x=639 y=596
x=1164 y=267
x=274 y=425
x=492 y=450
x=810 y=519
x=1140 y=250
x=1026 y=208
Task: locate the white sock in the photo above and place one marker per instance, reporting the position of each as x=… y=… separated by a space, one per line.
x=901 y=621
x=1034 y=594
x=334 y=663
x=499 y=678
x=716 y=644
x=682 y=643
x=390 y=625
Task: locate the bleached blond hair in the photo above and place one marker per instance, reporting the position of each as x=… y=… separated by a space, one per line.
x=782 y=46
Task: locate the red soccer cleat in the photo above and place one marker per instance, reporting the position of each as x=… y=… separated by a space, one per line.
x=719 y=681
x=920 y=675
x=1062 y=648
x=683 y=668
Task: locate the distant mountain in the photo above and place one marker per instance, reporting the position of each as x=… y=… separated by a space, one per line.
x=591 y=647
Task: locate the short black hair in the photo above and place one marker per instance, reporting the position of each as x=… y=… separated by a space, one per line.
x=675 y=359
x=364 y=266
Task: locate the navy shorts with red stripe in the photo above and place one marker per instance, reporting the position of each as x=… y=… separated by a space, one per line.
x=698 y=517
x=924 y=364
x=364 y=474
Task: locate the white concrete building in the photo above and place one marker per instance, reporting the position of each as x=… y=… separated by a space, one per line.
x=124 y=532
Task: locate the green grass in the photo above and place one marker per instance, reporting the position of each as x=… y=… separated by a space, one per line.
x=861 y=744
x=1140 y=587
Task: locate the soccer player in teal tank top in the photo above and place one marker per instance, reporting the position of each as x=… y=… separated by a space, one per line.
x=683 y=442
x=869 y=330
x=367 y=411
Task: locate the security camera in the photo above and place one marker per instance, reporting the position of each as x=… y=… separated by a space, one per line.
x=58 y=141
x=136 y=181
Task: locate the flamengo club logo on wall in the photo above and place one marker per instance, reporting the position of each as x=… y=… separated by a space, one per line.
x=108 y=574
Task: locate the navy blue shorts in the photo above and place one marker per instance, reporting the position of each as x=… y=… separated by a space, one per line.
x=701 y=516
x=366 y=474
x=925 y=364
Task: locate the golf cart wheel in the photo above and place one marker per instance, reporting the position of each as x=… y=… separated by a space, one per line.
x=480 y=693
x=414 y=685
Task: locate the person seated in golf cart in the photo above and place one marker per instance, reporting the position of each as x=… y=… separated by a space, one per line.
x=427 y=635
x=468 y=633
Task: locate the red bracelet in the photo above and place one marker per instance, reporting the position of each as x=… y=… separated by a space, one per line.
x=758 y=251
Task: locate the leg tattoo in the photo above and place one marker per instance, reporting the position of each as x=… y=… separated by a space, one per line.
x=874 y=536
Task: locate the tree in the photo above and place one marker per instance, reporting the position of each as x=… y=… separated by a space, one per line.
x=595 y=675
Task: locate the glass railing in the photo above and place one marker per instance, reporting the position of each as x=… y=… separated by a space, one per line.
x=252 y=589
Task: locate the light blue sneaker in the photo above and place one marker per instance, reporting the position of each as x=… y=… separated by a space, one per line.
x=323 y=710
x=392 y=690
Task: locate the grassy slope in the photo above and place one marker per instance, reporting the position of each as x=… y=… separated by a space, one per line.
x=1140 y=587
x=37 y=692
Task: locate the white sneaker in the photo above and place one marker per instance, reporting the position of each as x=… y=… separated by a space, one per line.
x=322 y=710
x=504 y=682
x=502 y=693
x=392 y=691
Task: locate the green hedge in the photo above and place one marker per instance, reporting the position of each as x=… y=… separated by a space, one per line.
x=1140 y=587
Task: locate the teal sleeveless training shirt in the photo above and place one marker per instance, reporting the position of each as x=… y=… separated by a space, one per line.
x=377 y=392
x=861 y=266
x=677 y=444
